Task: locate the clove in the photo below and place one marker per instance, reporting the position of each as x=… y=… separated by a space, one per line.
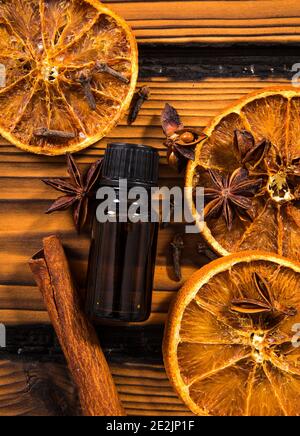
x=204 y=250
x=166 y=221
x=102 y=67
x=139 y=99
x=177 y=246
x=85 y=81
x=43 y=132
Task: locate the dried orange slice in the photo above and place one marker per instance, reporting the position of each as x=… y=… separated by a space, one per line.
x=68 y=73
x=231 y=343
x=271 y=117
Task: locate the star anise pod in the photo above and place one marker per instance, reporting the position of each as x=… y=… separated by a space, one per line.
x=181 y=141
x=248 y=151
x=77 y=190
x=230 y=195
x=266 y=304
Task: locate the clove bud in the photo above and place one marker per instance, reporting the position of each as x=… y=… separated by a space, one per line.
x=177 y=246
x=102 y=67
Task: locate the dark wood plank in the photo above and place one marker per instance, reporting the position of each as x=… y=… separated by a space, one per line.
x=30 y=388
x=32 y=366
x=36 y=389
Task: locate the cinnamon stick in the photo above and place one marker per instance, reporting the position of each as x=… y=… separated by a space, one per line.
x=78 y=339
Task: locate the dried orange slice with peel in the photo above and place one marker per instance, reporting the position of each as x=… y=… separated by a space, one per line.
x=269 y=118
x=70 y=67
x=230 y=347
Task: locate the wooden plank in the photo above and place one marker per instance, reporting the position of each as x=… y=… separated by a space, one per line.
x=29 y=297
x=33 y=389
x=19 y=243
x=212 y=22
x=128 y=345
x=45 y=389
x=24 y=305
x=29 y=317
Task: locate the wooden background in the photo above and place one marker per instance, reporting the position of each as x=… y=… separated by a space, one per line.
x=199 y=56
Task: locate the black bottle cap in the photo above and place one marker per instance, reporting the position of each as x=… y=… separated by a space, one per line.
x=136 y=163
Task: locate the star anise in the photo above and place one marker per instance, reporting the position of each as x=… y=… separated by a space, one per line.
x=248 y=150
x=267 y=160
x=230 y=195
x=181 y=141
x=77 y=190
x=266 y=303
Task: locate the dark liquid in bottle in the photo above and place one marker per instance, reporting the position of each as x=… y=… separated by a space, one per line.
x=122 y=260
x=124 y=239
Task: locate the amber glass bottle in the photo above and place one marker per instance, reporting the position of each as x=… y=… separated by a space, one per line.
x=123 y=251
